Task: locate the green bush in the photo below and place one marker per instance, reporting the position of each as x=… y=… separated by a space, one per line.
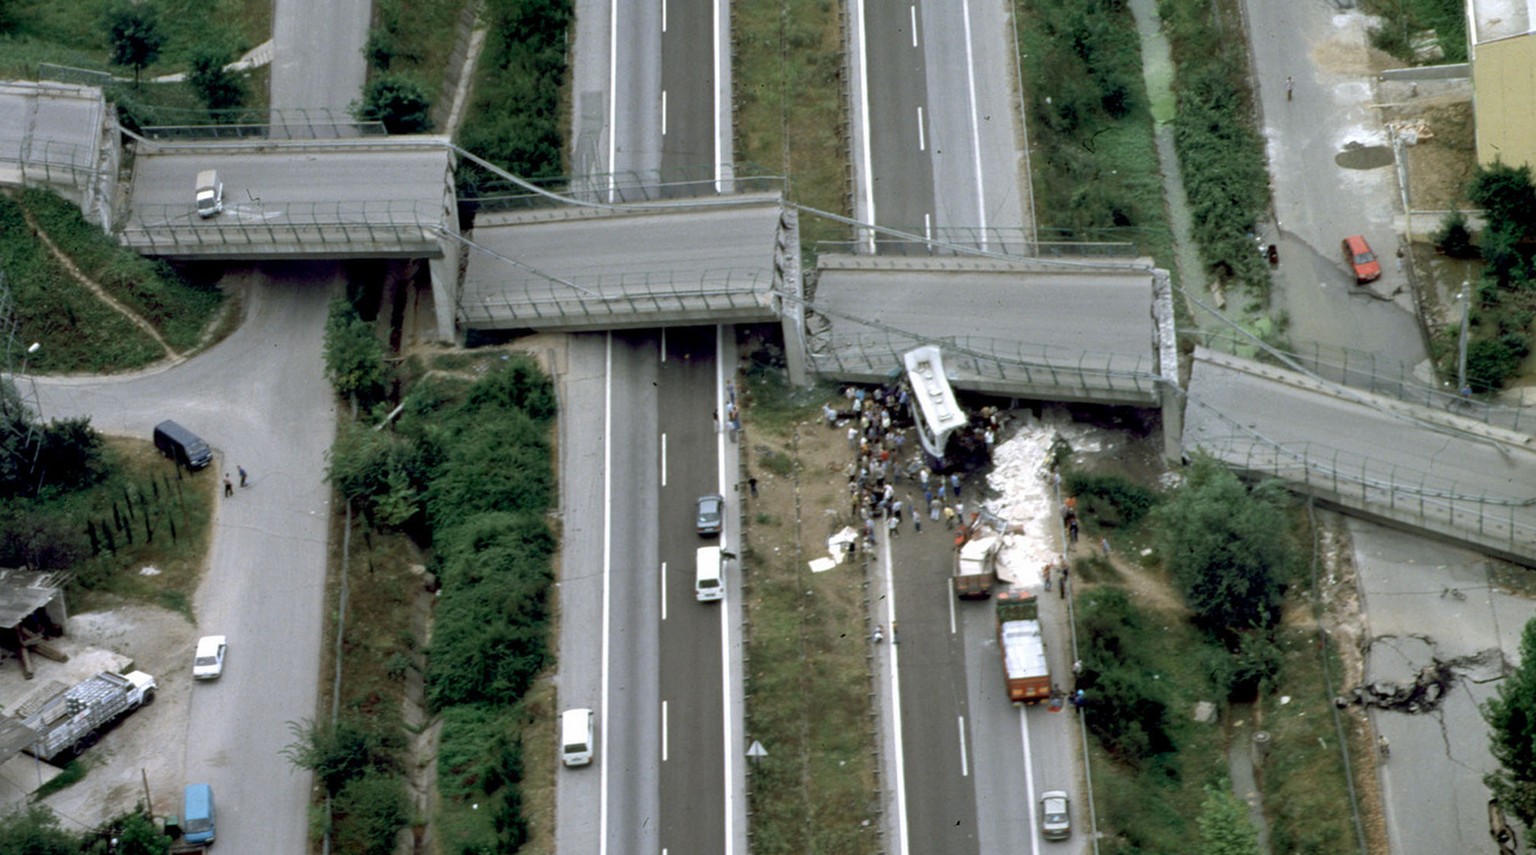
x=1112 y=499
x=368 y=814
x=1126 y=708
x=354 y=747
x=1453 y=238
x=401 y=103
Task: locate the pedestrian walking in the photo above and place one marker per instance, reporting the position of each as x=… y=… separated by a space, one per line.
x=241 y=470
x=1384 y=746
x=923 y=476
x=829 y=414
x=954 y=483
x=1062 y=585
x=1072 y=530
x=1045 y=574
x=917 y=523
x=1290 y=86
x=949 y=517
x=1104 y=545
x=229 y=486
x=752 y=485
x=892 y=525
x=853 y=437
x=1079 y=699
x=933 y=510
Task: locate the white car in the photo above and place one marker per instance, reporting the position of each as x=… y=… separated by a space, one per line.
x=209 y=661
x=1055 y=815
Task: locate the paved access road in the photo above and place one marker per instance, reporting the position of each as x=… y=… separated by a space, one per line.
x=317 y=62
x=261 y=400
x=1319 y=201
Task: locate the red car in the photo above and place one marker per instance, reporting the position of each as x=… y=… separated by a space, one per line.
x=1361 y=259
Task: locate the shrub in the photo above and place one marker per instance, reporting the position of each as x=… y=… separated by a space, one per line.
x=346 y=751
x=368 y=814
x=1111 y=498
x=1126 y=709
x=1453 y=238
x=400 y=103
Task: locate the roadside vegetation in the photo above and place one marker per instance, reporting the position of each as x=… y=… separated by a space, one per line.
x=1502 y=306
x=1439 y=27
x=1231 y=553
x=1512 y=738
x=409 y=49
x=98 y=510
x=515 y=119
x=1093 y=158
x=461 y=483
x=1220 y=150
x=808 y=682
x=38 y=831
x=791 y=106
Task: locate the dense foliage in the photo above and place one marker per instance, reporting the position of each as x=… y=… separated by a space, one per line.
x=1224 y=825
x=1126 y=704
x=135 y=33
x=1511 y=720
x=401 y=103
x=1504 y=300
x=1229 y=548
x=37 y=831
x=515 y=121
x=1221 y=152
x=468 y=468
x=354 y=355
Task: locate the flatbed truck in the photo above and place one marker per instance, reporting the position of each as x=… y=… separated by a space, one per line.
x=1023 y=647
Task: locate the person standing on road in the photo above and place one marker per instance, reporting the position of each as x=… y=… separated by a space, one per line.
x=1290 y=87
x=241 y=470
x=229 y=486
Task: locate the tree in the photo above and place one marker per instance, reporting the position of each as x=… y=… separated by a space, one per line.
x=1453 y=237
x=401 y=103
x=135 y=34
x=1228 y=547
x=215 y=85
x=1507 y=197
x=1224 y=825
x=36 y=832
x=1511 y=720
x=354 y=356
x=139 y=836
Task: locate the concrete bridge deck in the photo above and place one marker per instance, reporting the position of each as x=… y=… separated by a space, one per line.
x=1374 y=456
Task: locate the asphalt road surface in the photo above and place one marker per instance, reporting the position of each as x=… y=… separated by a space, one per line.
x=1319 y=201
x=261 y=400
x=317 y=59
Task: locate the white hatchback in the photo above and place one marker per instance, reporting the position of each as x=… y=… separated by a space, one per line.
x=209 y=661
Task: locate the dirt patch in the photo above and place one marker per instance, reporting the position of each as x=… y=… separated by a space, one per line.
x=1440 y=165
x=148 y=741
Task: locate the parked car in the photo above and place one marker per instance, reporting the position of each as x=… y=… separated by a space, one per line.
x=1055 y=815
x=711 y=512
x=576 y=746
x=208 y=663
x=1361 y=259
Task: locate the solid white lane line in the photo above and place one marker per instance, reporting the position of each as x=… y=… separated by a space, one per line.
x=663 y=590
x=922 y=138
x=665 y=745
x=965 y=767
x=663 y=460
x=602 y=787
x=895 y=649
x=613 y=94
x=1029 y=782
x=970 y=75
x=663 y=16
x=719 y=131
x=914 y=25
x=725 y=624
x=869 y=183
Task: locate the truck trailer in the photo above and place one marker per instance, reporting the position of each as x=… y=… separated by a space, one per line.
x=1023 y=647
x=976 y=567
x=64 y=722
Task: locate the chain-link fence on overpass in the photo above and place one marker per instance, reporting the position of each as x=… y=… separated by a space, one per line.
x=393 y=227
x=534 y=300
x=1425 y=500
x=48 y=162
x=991 y=364
x=1370 y=372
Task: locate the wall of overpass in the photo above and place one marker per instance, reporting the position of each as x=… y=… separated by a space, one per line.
x=1426 y=468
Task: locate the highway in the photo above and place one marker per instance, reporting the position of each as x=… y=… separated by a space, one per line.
x=638 y=449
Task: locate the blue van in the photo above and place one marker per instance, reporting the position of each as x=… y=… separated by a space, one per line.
x=197 y=813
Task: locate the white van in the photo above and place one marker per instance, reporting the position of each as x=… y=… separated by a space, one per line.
x=709 y=575
x=576 y=737
x=210 y=193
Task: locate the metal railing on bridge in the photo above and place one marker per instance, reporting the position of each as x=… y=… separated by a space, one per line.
x=570 y=301
x=990 y=362
x=1368 y=372
x=626 y=188
x=1436 y=503
x=49 y=162
x=248 y=225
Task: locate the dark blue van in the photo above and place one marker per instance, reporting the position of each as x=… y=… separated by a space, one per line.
x=197 y=813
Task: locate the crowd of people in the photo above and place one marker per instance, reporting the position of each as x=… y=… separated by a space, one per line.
x=890 y=481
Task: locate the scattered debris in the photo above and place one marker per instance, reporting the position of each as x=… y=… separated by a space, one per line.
x=1424 y=694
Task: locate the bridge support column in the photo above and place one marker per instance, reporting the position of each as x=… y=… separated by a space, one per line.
x=445 y=291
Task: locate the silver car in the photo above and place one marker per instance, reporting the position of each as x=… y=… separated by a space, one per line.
x=1055 y=815
x=711 y=512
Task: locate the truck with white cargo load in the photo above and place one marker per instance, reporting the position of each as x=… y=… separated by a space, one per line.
x=976 y=567
x=64 y=722
x=1023 y=647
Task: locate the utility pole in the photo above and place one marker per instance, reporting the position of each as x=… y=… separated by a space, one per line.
x=1461 y=347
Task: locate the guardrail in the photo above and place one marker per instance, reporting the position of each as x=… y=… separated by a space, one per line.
x=336 y=227
x=976 y=361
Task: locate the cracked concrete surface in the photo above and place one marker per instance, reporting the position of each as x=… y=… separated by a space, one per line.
x=1431 y=609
